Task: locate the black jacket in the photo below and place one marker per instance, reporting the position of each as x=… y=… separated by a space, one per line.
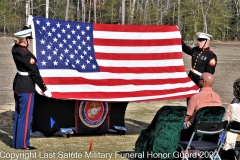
x=202 y=61
x=26 y=62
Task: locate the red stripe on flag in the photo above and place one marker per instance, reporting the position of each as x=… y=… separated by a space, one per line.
x=133 y=28
x=132 y=56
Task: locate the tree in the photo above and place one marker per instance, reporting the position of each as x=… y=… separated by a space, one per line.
x=110 y=12
x=236 y=19
x=218 y=17
x=204 y=13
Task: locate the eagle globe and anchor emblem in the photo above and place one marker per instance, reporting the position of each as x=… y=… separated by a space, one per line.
x=93 y=114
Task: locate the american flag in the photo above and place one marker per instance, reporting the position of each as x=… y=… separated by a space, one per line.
x=110 y=62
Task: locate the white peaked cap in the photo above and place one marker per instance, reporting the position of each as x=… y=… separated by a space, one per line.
x=204 y=35
x=24 y=33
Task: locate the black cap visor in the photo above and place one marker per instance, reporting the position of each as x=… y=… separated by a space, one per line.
x=201 y=39
x=29 y=37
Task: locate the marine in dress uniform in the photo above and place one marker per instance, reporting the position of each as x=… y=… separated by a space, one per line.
x=24 y=88
x=203 y=59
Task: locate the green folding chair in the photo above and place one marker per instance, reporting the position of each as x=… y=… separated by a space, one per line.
x=162 y=135
x=205 y=114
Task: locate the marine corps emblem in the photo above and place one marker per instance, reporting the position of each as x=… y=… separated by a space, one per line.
x=212 y=62
x=93 y=114
x=32 y=61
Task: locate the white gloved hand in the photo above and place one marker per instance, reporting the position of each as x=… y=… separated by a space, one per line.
x=185 y=125
x=47 y=93
x=29 y=20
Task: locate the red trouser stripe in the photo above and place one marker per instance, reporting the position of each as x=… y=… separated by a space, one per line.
x=27 y=119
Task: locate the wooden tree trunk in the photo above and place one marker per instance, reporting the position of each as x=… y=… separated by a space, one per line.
x=145 y=12
x=161 y=12
x=47 y=8
x=4 y=20
x=89 y=11
x=123 y=11
x=179 y=14
x=205 y=29
x=27 y=9
x=236 y=3
x=95 y=10
x=173 y=18
x=132 y=11
x=67 y=8
x=157 y=12
x=31 y=7
x=83 y=11
x=78 y=10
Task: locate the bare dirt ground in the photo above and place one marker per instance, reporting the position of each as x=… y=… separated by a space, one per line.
x=138 y=114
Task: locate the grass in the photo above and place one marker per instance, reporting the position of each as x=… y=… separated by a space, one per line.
x=137 y=117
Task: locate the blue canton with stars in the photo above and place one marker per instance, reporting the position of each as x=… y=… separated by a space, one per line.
x=64 y=45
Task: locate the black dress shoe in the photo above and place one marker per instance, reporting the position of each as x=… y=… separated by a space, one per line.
x=30 y=148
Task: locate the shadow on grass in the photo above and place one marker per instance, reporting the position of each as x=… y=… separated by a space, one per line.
x=5 y=138
x=134 y=126
x=6 y=127
x=136 y=122
x=7 y=119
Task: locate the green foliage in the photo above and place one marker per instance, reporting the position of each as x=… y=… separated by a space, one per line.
x=57 y=9
x=222 y=16
x=109 y=12
x=10 y=16
x=191 y=18
x=219 y=20
x=217 y=13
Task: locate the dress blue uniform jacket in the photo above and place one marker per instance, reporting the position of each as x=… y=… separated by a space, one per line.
x=202 y=61
x=26 y=62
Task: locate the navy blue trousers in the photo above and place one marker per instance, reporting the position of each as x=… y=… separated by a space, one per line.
x=24 y=103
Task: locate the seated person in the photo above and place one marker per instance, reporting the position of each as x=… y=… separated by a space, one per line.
x=232 y=113
x=205 y=97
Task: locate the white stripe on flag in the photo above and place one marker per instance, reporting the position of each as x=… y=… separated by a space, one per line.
x=138 y=49
x=136 y=35
x=140 y=63
x=104 y=75
x=143 y=98
x=122 y=88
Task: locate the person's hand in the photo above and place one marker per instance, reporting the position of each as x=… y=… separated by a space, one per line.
x=47 y=93
x=186 y=124
x=29 y=21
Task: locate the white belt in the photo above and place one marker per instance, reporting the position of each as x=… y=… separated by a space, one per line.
x=22 y=73
x=196 y=72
